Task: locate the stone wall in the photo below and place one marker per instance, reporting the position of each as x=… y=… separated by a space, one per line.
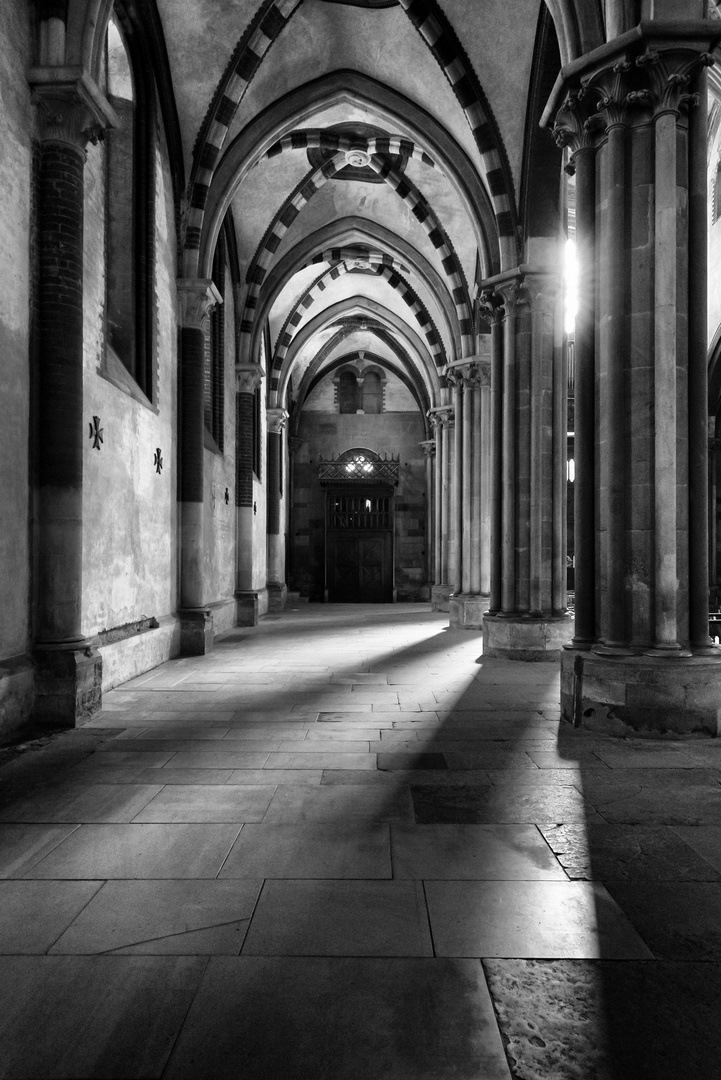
x=16 y=128
x=327 y=435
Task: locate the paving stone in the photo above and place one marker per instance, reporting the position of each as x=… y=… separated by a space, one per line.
x=339 y=918
x=35 y=913
x=310 y=851
x=79 y=803
x=677 y=920
x=626 y=852
x=576 y=1019
x=340 y=1019
x=475 y=852
x=80 y=1016
x=475 y=804
x=200 y=803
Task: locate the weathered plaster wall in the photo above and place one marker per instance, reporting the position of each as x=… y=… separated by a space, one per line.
x=16 y=126
x=328 y=436
x=129 y=509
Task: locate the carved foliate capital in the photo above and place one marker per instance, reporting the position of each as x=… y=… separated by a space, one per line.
x=198 y=297
x=578 y=124
x=428 y=446
x=671 y=74
x=71 y=109
x=277 y=419
x=470 y=373
x=442 y=416
x=248 y=378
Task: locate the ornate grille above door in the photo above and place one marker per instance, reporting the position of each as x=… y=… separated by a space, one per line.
x=359 y=465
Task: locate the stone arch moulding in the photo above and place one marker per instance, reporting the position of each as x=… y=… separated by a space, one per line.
x=348 y=231
x=420 y=208
x=411 y=380
x=432 y=24
x=390 y=108
x=408 y=370
x=394 y=279
x=362 y=306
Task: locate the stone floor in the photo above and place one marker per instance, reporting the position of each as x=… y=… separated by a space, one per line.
x=345 y=846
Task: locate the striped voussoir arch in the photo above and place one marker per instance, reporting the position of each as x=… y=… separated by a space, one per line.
x=278 y=227
x=321 y=139
x=441 y=39
x=252 y=47
x=357 y=254
x=421 y=210
x=248 y=55
x=394 y=279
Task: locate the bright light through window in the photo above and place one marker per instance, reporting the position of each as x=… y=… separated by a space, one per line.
x=570 y=275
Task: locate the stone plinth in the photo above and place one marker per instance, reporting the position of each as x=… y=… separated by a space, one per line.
x=277 y=595
x=440 y=595
x=196 y=631
x=467 y=610
x=68 y=687
x=629 y=694
x=526 y=638
x=246 y=608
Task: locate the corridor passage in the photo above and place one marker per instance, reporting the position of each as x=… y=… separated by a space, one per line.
x=345 y=846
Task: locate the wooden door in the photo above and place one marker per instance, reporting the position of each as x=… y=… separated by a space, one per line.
x=359 y=546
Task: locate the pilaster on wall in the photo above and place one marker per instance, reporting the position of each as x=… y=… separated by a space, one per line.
x=527 y=616
x=197 y=297
x=632 y=118
x=275 y=527
x=71 y=113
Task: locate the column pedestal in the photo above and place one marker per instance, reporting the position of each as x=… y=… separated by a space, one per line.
x=525 y=637
x=466 y=610
x=246 y=607
x=68 y=687
x=440 y=596
x=196 y=631
x=277 y=596
x=637 y=694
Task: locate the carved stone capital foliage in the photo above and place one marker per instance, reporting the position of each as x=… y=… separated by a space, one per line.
x=428 y=446
x=490 y=305
x=70 y=108
x=248 y=378
x=442 y=416
x=474 y=372
x=198 y=297
x=646 y=79
x=277 y=419
x=454 y=378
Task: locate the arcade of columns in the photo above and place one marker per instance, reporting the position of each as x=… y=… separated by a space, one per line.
x=632 y=115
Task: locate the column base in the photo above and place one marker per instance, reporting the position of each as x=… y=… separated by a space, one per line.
x=517 y=637
x=196 y=631
x=277 y=595
x=246 y=608
x=440 y=595
x=467 y=610
x=68 y=687
x=639 y=694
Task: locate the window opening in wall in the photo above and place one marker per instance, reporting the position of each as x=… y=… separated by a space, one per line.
x=372 y=393
x=716 y=193
x=349 y=399
x=129 y=212
x=215 y=351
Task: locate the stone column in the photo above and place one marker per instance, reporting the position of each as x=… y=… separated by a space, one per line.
x=276 y=583
x=492 y=304
x=456 y=540
x=468 y=606
x=442 y=417
x=429 y=449
x=68 y=674
x=437 y=495
x=198 y=296
x=644 y=661
x=247 y=379
x=529 y=624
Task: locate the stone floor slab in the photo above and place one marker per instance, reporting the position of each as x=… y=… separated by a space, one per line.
x=626 y=853
x=339 y=918
x=336 y=804
x=540 y=919
x=22 y=846
x=35 y=913
x=340 y=1019
x=310 y=851
x=163 y=917
x=201 y=803
x=474 y=852
x=81 y=803
x=139 y=851
x=82 y=1018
